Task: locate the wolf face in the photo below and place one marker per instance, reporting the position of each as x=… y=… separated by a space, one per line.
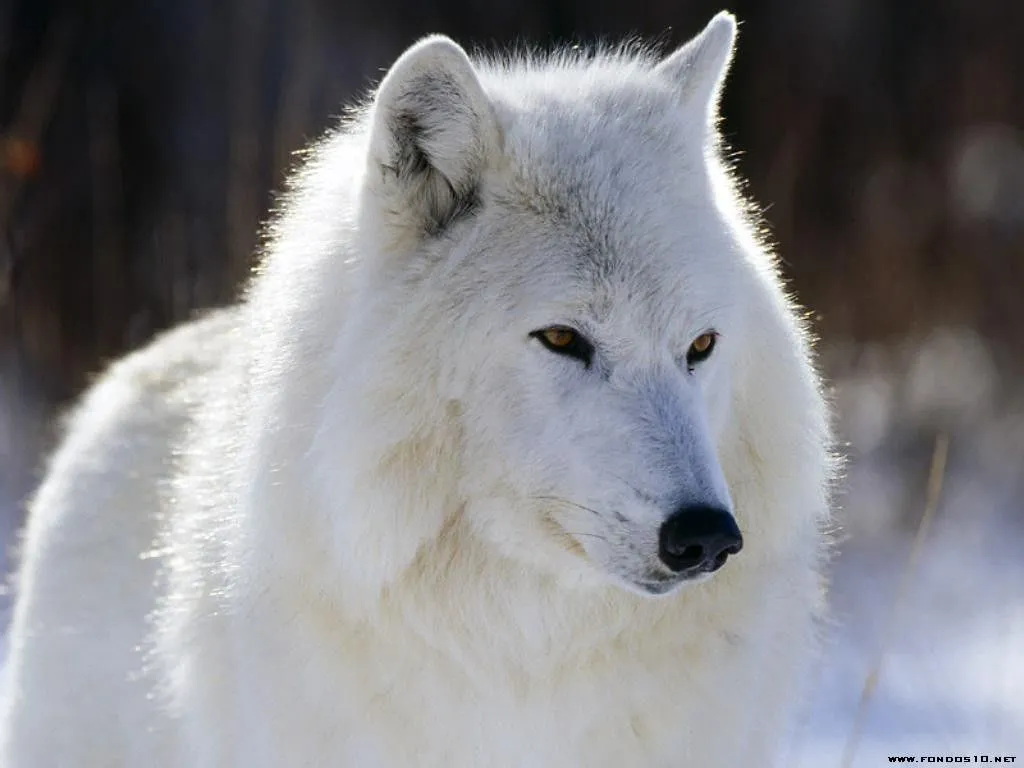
x=605 y=422
x=561 y=240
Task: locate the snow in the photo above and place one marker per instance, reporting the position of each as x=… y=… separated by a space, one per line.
x=952 y=672
x=952 y=646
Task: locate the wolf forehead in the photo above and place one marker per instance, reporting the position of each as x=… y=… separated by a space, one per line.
x=603 y=160
x=586 y=142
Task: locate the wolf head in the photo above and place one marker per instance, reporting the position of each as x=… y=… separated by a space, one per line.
x=551 y=308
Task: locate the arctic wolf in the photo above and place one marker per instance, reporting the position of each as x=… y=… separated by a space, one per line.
x=513 y=454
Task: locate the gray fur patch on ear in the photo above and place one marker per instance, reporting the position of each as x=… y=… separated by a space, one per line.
x=433 y=129
x=416 y=162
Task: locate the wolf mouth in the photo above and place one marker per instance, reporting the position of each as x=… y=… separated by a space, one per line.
x=662 y=585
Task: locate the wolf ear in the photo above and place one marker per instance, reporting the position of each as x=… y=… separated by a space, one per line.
x=432 y=131
x=699 y=67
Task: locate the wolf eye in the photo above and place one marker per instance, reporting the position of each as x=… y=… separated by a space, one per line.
x=565 y=341
x=701 y=348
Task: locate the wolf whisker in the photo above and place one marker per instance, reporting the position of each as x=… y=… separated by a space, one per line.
x=559 y=500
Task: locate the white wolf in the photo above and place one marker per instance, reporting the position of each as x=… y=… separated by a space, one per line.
x=448 y=486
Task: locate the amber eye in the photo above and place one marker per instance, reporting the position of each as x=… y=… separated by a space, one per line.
x=565 y=341
x=558 y=337
x=701 y=348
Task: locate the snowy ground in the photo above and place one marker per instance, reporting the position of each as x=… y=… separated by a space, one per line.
x=951 y=680
x=953 y=672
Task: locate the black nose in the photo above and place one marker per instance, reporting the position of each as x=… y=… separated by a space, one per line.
x=698 y=538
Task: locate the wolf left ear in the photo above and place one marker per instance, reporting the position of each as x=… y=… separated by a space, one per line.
x=432 y=131
x=699 y=67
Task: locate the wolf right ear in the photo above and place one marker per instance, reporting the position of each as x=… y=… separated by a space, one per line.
x=432 y=131
x=699 y=67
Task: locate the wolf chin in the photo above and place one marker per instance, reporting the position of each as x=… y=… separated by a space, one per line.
x=512 y=454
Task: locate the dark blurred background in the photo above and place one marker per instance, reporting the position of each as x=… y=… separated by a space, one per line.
x=141 y=143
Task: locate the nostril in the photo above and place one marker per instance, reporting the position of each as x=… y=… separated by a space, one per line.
x=690 y=556
x=693 y=552
x=698 y=538
x=719 y=561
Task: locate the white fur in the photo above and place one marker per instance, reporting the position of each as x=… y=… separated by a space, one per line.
x=365 y=519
